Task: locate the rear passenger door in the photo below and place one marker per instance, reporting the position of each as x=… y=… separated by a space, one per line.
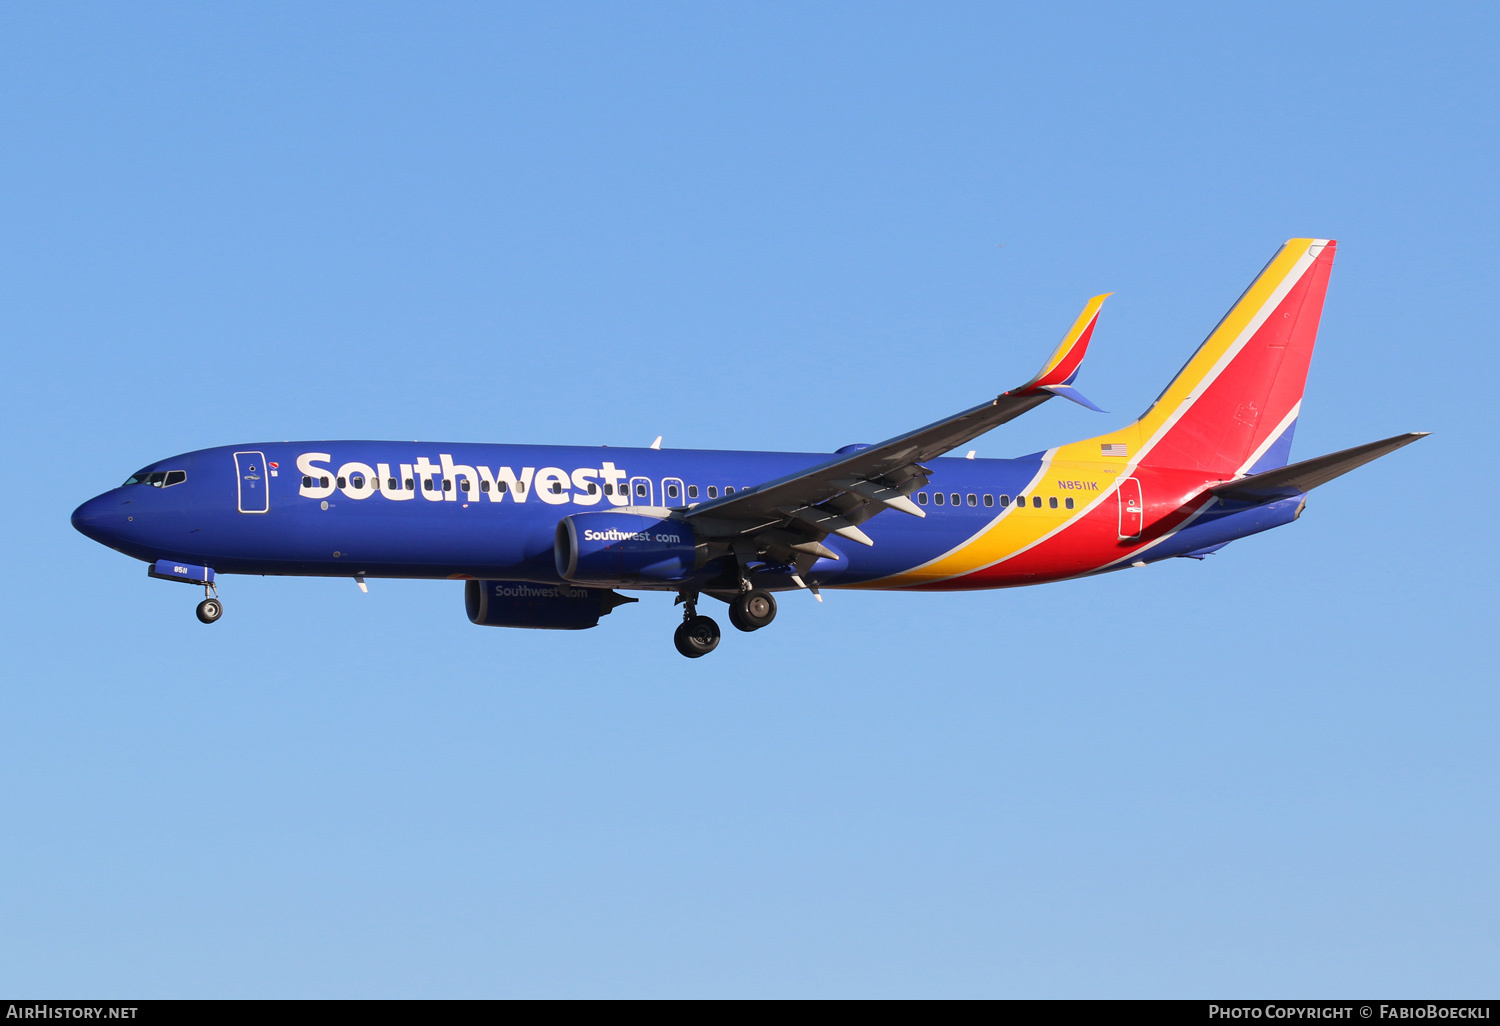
x=1132 y=512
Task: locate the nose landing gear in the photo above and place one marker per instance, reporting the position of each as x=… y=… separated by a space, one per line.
x=210 y=609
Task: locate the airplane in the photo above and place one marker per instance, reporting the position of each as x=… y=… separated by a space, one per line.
x=549 y=536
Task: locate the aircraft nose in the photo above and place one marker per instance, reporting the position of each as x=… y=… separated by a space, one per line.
x=95 y=518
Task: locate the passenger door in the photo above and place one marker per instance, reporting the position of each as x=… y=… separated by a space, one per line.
x=1132 y=509
x=250 y=468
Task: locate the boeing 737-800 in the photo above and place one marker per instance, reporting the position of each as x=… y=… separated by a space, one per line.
x=549 y=536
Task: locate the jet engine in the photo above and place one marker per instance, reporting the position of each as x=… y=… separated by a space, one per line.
x=557 y=607
x=625 y=549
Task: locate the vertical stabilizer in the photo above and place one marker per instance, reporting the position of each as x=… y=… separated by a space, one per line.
x=1233 y=407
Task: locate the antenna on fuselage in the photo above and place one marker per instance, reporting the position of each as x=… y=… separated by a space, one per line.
x=656 y=444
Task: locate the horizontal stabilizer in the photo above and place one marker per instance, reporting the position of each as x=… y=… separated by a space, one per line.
x=1284 y=482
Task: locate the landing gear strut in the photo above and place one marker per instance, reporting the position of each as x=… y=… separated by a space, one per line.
x=210 y=609
x=751 y=610
x=697 y=635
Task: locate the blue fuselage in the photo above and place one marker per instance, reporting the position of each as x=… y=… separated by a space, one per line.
x=461 y=523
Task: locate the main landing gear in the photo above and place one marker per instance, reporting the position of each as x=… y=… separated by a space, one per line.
x=697 y=635
x=750 y=610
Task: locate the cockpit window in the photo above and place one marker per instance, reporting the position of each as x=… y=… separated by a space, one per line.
x=157 y=478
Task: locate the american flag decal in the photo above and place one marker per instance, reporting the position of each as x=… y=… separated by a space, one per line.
x=1112 y=449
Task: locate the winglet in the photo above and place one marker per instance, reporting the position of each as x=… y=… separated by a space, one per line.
x=1057 y=374
x=1069 y=392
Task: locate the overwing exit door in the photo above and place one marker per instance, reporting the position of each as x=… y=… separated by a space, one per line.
x=1132 y=511
x=250 y=468
x=641 y=492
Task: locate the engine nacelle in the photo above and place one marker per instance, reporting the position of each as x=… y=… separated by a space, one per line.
x=625 y=548
x=556 y=607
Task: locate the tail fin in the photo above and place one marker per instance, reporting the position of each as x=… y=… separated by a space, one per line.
x=1233 y=407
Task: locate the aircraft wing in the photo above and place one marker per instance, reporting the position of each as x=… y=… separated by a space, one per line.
x=835 y=497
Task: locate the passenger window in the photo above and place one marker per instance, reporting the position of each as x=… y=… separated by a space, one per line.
x=989 y=500
x=713 y=491
x=1068 y=502
x=692 y=491
x=921 y=498
x=973 y=499
x=937 y=498
x=640 y=489
x=427 y=483
x=175 y=477
x=447 y=485
x=1004 y=501
x=410 y=485
x=954 y=498
x=671 y=491
x=593 y=488
x=556 y=487
x=503 y=486
x=306 y=482
x=729 y=489
x=1036 y=502
x=484 y=486
x=357 y=481
x=341 y=482
x=520 y=487
x=1052 y=501
x=323 y=482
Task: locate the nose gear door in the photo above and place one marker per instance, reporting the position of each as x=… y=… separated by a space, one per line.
x=1132 y=509
x=250 y=469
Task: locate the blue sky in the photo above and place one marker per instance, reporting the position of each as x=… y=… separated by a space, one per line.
x=1272 y=773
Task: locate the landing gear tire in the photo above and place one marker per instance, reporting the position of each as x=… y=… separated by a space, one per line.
x=210 y=610
x=697 y=636
x=752 y=610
